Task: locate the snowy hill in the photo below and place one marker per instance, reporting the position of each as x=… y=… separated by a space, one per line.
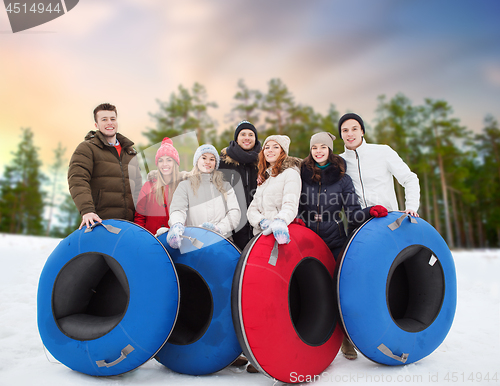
x=469 y=354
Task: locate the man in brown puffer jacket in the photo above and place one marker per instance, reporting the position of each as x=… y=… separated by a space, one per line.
x=104 y=176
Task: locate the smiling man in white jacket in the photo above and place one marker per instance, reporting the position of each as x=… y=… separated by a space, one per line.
x=372 y=168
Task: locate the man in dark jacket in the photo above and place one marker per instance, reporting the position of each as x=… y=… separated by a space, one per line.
x=104 y=177
x=239 y=162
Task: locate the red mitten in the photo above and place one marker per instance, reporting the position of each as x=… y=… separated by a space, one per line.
x=298 y=221
x=378 y=211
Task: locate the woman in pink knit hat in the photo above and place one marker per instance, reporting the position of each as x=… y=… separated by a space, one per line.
x=156 y=194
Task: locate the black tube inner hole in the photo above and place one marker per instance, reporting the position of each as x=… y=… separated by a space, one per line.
x=312 y=302
x=195 y=309
x=90 y=296
x=415 y=288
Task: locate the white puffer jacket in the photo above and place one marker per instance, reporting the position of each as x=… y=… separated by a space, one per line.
x=278 y=197
x=207 y=205
x=372 y=167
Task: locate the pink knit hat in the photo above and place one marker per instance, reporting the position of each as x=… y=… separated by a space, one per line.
x=167 y=148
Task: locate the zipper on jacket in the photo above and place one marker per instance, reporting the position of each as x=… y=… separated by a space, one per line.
x=360 y=179
x=119 y=157
x=340 y=226
x=317 y=212
x=248 y=194
x=211 y=218
x=124 y=190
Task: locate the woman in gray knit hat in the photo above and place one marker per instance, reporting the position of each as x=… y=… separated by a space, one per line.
x=204 y=199
x=328 y=198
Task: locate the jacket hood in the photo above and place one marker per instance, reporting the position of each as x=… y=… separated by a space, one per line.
x=225 y=157
x=288 y=163
x=291 y=162
x=330 y=175
x=98 y=139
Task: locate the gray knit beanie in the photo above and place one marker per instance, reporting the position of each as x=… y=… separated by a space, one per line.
x=282 y=140
x=206 y=148
x=322 y=138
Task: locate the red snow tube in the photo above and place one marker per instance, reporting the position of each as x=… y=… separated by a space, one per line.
x=284 y=306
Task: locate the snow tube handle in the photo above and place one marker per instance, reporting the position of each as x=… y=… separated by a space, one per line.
x=273 y=258
x=396 y=224
x=109 y=228
x=127 y=350
x=387 y=351
x=196 y=243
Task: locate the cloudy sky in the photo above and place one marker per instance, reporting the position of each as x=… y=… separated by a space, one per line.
x=133 y=52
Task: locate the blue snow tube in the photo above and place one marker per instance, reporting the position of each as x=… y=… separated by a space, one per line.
x=204 y=340
x=396 y=289
x=108 y=298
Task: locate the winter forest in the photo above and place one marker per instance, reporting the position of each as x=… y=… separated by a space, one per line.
x=458 y=169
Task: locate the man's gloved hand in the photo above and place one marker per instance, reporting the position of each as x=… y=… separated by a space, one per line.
x=378 y=211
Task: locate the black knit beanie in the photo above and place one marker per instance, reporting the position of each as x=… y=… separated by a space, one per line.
x=348 y=116
x=245 y=125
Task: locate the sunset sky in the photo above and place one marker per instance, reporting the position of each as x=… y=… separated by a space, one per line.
x=133 y=52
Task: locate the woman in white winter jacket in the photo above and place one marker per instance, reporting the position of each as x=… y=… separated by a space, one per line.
x=372 y=168
x=204 y=199
x=276 y=201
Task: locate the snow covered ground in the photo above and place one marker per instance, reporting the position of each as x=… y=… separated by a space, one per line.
x=469 y=354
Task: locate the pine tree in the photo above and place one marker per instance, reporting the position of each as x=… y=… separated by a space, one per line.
x=488 y=145
x=247 y=103
x=278 y=104
x=444 y=136
x=395 y=124
x=329 y=123
x=222 y=140
x=54 y=172
x=304 y=122
x=68 y=216
x=21 y=203
x=246 y=108
x=185 y=111
x=205 y=125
